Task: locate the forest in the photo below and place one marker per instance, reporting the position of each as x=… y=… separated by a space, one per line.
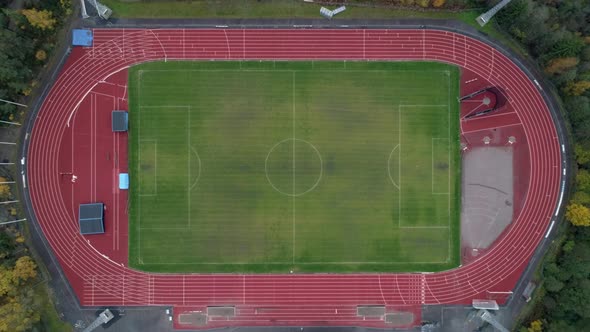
x=27 y=38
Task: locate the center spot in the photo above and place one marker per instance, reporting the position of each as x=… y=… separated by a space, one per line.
x=293 y=167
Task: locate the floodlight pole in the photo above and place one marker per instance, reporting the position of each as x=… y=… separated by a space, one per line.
x=7 y=182
x=97 y=10
x=84 y=13
x=8 y=202
x=5 y=164
x=12 y=123
x=506 y=293
x=484 y=18
x=11 y=102
x=7 y=143
x=11 y=222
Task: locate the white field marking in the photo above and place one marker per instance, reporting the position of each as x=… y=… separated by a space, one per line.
x=318 y=179
x=138 y=108
x=425 y=105
x=381 y=289
x=492 y=67
x=321 y=163
x=300 y=263
x=446 y=260
x=162 y=228
x=199 y=173
x=162 y=46
x=364 y=44
x=188 y=154
x=92 y=146
x=165 y=106
x=399 y=165
x=448 y=192
x=449 y=254
x=291 y=70
x=389 y=165
x=227 y=43
x=293 y=188
x=190 y=150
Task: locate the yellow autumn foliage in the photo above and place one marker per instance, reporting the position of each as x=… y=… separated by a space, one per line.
x=577 y=88
x=578 y=215
x=42 y=19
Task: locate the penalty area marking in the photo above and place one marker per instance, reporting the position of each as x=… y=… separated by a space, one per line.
x=389 y=166
x=448 y=226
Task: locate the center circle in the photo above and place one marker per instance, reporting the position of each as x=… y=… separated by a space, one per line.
x=293 y=167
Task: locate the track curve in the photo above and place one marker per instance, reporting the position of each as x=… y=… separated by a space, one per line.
x=101 y=281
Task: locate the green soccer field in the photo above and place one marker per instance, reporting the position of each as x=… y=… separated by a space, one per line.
x=294 y=166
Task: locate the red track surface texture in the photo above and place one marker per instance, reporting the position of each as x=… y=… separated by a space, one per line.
x=314 y=299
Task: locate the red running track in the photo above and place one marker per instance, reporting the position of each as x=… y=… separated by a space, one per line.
x=304 y=299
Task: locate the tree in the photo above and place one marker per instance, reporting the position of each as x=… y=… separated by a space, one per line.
x=576 y=298
x=15 y=71
x=559 y=65
x=438 y=3
x=19 y=313
x=553 y=285
x=18 y=306
x=575 y=265
x=583 y=180
x=566 y=47
x=577 y=88
x=581 y=197
x=6 y=281
x=42 y=19
x=24 y=269
x=6 y=246
x=41 y=55
x=423 y=3
x=4 y=189
x=514 y=12
x=582 y=155
x=536 y=326
x=578 y=215
x=561 y=326
x=568 y=246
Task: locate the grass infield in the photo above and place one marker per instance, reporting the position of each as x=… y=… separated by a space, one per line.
x=294 y=166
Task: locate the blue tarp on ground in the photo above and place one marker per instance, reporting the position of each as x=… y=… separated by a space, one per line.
x=123 y=181
x=82 y=37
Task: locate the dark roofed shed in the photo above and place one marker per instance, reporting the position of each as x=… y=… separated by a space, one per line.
x=91 y=218
x=120 y=121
